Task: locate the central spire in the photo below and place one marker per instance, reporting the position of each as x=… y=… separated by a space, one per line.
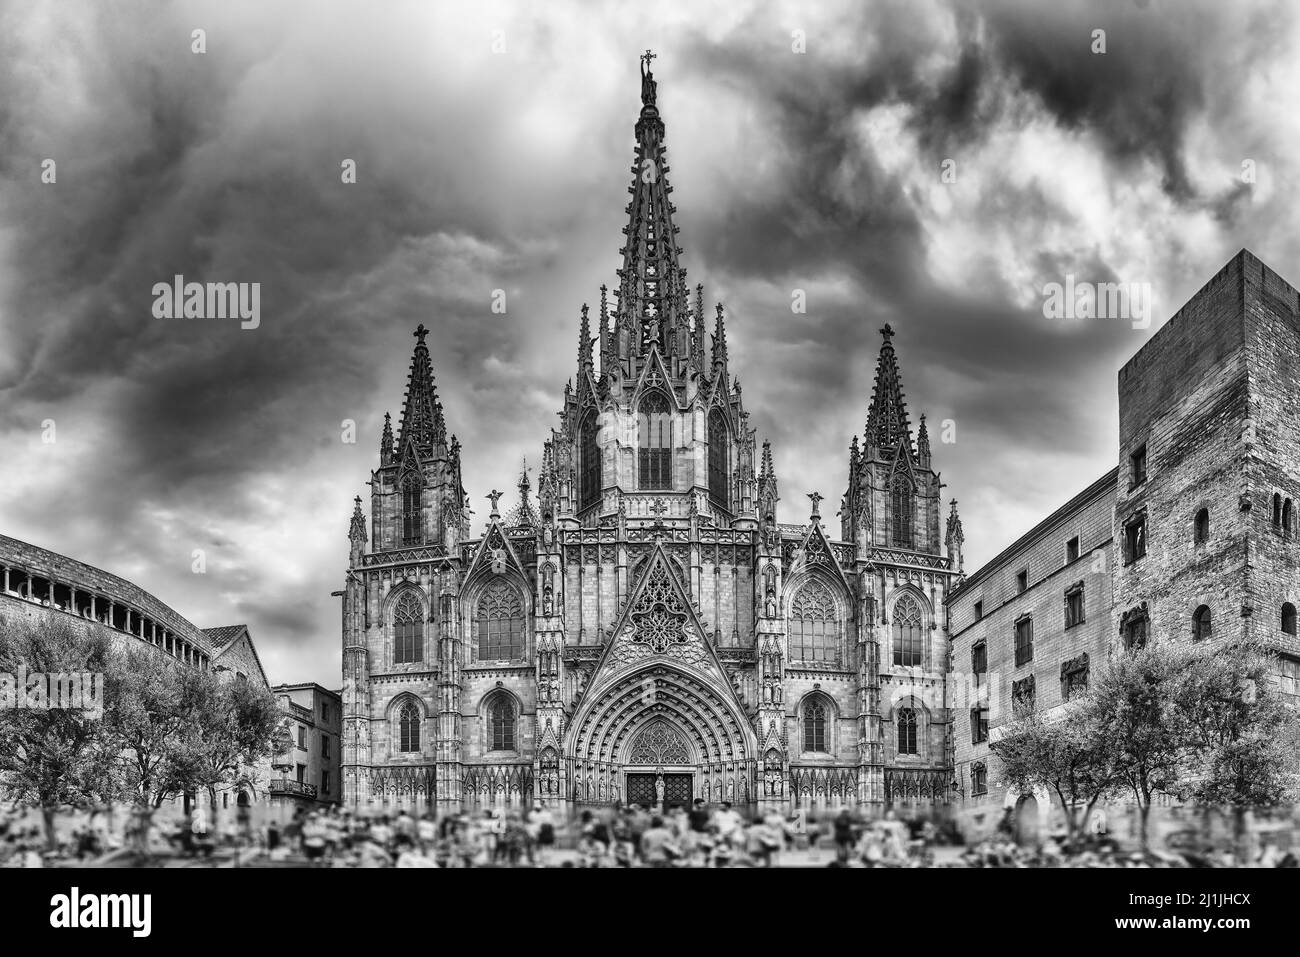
x=652 y=300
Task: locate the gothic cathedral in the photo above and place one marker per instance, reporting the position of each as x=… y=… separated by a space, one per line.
x=649 y=631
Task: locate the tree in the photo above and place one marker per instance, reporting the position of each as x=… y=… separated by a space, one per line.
x=235 y=729
x=1241 y=733
x=53 y=753
x=1064 y=756
x=1140 y=726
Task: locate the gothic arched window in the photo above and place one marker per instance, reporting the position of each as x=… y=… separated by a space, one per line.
x=408 y=630
x=1288 y=618
x=501 y=723
x=902 y=508
x=409 y=728
x=909 y=644
x=500 y=622
x=814 y=726
x=412 y=515
x=907 y=731
x=655 y=443
x=719 y=477
x=1201 y=627
x=589 y=460
x=814 y=624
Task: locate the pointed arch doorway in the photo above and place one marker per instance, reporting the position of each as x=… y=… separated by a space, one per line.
x=659 y=768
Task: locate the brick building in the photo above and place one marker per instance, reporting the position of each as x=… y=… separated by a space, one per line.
x=1191 y=537
x=308 y=773
x=648 y=631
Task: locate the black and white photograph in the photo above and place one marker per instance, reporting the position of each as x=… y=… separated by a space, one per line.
x=378 y=489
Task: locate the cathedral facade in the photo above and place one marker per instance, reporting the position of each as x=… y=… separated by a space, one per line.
x=645 y=629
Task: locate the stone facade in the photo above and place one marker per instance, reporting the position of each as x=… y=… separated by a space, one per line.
x=1193 y=535
x=309 y=773
x=645 y=630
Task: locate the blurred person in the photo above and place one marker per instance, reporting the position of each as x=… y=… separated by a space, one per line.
x=542 y=825
x=313 y=840
x=658 y=849
x=845 y=831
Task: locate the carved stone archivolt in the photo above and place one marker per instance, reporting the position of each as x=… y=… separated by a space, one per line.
x=659 y=743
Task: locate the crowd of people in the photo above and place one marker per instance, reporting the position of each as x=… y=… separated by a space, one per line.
x=626 y=836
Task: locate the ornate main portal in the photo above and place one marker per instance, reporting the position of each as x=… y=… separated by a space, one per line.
x=660 y=723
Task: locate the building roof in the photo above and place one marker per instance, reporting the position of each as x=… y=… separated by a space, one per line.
x=1107 y=481
x=224 y=634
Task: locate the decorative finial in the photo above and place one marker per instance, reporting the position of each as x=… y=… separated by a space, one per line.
x=494 y=495
x=816 y=504
x=420 y=333
x=647 y=57
x=887 y=332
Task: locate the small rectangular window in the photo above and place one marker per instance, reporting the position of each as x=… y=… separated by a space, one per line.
x=1022 y=581
x=1072 y=550
x=302 y=737
x=1023 y=694
x=979 y=658
x=1074 y=606
x=979 y=725
x=1135 y=538
x=1024 y=641
x=1138 y=463
x=979 y=610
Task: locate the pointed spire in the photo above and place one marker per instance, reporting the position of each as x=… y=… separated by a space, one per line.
x=887 y=417
x=602 y=333
x=523 y=515
x=357 y=530
x=584 y=341
x=923 y=444
x=955 y=538
x=422 y=421
x=386 y=441
x=767 y=489
x=648 y=301
x=697 y=334
x=719 y=338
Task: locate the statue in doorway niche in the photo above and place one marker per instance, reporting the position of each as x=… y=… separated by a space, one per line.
x=659 y=789
x=548 y=601
x=770 y=607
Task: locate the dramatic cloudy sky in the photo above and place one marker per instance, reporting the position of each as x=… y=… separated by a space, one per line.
x=480 y=170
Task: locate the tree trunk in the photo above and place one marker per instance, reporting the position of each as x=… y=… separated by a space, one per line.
x=1243 y=837
x=48 y=813
x=1144 y=812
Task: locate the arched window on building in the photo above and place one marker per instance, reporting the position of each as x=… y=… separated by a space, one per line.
x=903 y=511
x=1201 y=533
x=655 y=443
x=1277 y=510
x=1288 y=618
x=409 y=728
x=589 y=460
x=1287 y=512
x=500 y=622
x=501 y=723
x=814 y=726
x=408 y=630
x=907 y=731
x=1201 y=626
x=412 y=513
x=909 y=644
x=814 y=624
x=719 y=473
